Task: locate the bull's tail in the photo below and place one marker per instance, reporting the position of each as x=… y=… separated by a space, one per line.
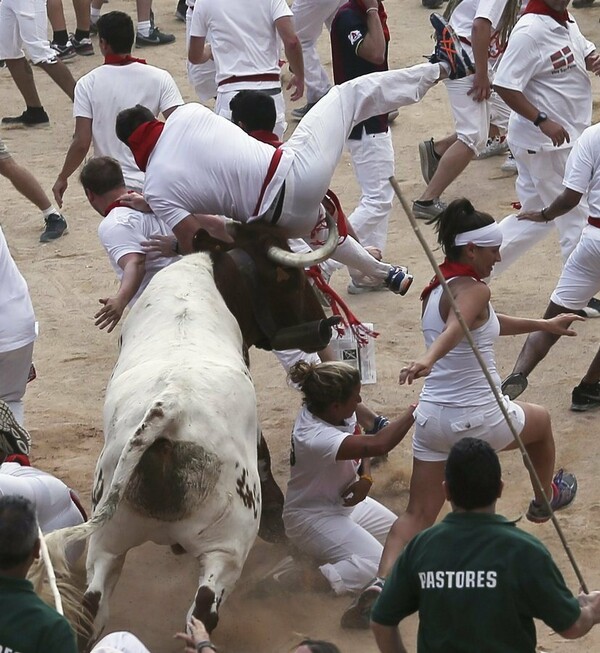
x=151 y=428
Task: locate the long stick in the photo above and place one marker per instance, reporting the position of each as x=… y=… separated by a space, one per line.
x=490 y=380
x=50 y=573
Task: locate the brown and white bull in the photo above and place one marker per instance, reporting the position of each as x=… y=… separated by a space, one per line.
x=179 y=465
x=179 y=462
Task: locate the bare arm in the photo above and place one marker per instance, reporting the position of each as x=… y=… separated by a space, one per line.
x=367 y=446
x=198 y=51
x=589 y=617
x=562 y=204
x=134 y=268
x=372 y=47
x=387 y=638
x=472 y=301
x=79 y=147
x=519 y=103
x=293 y=52
x=481 y=33
x=512 y=326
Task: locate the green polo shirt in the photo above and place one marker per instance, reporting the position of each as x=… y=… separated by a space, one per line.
x=478 y=582
x=27 y=624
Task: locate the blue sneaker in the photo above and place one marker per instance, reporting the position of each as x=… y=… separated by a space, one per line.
x=564 y=491
x=448 y=49
x=398 y=280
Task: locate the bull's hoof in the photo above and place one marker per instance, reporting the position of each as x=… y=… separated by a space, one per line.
x=177 y=549
x=271 y=527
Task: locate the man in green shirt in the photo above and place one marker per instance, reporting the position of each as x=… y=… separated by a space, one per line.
x=477 y=581
x=27 y=624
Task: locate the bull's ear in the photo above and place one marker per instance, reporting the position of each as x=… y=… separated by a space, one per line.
x=204 y=242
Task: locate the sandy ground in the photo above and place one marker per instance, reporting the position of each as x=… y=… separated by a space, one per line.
x=74 y=360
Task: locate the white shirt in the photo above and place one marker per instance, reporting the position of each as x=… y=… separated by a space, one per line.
x=467 y=11
x=546 y=62
x=202 y=163
x=121 y=233
x=108 y=89
x=243 y=37
x=456 y=379
x=17 y=321
x=317 y=479
x=582 y=173
x=50 y=496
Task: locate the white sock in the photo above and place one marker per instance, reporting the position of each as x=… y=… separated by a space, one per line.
x=94 y=15
x=49 y=211
x=143 y=27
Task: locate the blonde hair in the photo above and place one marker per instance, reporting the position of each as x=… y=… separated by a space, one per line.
x=507 y=21
x=323 y=384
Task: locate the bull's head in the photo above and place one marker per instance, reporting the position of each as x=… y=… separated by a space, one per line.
x=274 y=304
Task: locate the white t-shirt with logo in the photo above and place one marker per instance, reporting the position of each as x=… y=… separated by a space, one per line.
x=546 y=62
x=121 y=233
x=108 y=89
x=243 y=36
x=467 y=11
x=218 y=168
x=317 y=479
x=17 y=321
x=582 y=173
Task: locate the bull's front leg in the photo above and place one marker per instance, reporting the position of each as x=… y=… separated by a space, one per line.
x=271 y=522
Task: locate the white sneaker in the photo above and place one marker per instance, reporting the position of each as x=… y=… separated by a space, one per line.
x=494 y=147
x=509 y=165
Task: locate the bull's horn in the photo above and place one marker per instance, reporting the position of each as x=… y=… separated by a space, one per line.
x=307 y=259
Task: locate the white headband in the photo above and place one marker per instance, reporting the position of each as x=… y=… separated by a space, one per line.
x=488 y=236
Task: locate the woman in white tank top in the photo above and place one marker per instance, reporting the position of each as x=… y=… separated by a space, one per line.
x=456 y=400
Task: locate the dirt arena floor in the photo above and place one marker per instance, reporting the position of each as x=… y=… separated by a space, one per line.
x=74 y=360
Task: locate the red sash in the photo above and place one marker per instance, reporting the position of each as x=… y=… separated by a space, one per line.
x=450 y=269
x=541 y=8
x=121 y=59
x=142 y=141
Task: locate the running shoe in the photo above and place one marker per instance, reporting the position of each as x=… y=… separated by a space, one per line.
x=156 y=37
x=514 y=385
x=509 y=165
x=429 y=159
x=585 y=397
x=64 y=52
x=300 y=112
x=428 y=209
x=31 y=117
x=564 y=490
x=592 y=309
x=56 y=226
x=448 y=49
x=83 y=47
x=358 y=613
x=494 y=147
x=398 y=280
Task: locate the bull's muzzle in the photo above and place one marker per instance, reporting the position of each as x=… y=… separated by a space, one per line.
x=309 y=337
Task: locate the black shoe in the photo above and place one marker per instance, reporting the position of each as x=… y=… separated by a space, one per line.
x=156 y=37
x=592 y=309
x=56 y=226
x=579 y=4
x=83 y=47
x=514 y=385
x=181 y=11
x=29 y=118
x=432 y=4
x=64 y=52
x=585 y=397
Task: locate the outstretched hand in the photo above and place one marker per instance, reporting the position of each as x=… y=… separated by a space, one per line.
x=559 y=325
x=298 y=86
x=163 y=245
x=414 y=370
x=533 y=216
x=356 y=492
x=196 y=633
x=110 y=313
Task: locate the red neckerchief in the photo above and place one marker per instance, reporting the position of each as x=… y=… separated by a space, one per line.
x=143 y=140
x=20 y=458
x=116 y=204
x=121 y=59
x=541 y=8
x=265 y=136
x=382 y=16
x=450 y=269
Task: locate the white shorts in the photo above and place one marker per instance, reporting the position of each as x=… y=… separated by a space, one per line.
x=24 y=24
x=438 y=427
x=471 y=119
x=580 y=278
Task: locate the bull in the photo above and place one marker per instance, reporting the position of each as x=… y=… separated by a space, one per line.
x=179 y=465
